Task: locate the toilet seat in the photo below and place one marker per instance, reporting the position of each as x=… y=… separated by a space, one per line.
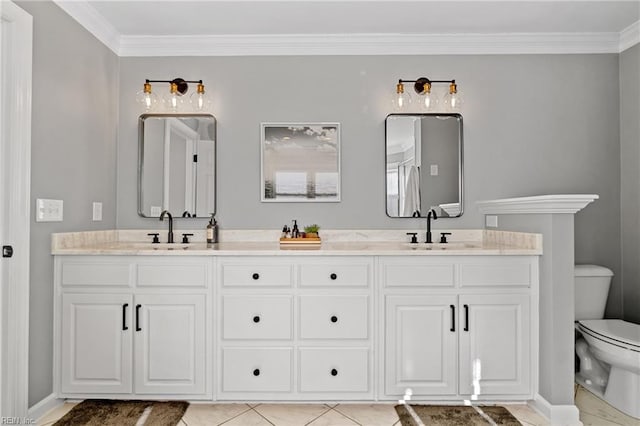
x=616 y=332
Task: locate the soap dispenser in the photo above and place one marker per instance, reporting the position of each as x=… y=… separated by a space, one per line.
x=212 y=230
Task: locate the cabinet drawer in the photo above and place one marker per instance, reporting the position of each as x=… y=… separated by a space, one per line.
x=171 y=273
x=270 y=275
x=419 y=272
x=256 y=369
x=354 y=273
x=96 y=273
x=496 y=272
x=256 y=317
x=334 y=369
x=334 y=317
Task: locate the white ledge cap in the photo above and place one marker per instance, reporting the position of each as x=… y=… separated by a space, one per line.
x=556 y=203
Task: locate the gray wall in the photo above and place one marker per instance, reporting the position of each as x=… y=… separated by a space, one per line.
x=73 y=157
x=534 y=124
x=629 y=179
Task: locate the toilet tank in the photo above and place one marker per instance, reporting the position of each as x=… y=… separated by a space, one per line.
x=591 y=291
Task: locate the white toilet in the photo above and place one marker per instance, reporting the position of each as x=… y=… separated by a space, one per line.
x=609 y=349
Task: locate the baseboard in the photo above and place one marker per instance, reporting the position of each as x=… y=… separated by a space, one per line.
x=558 y=415
x=44 y=406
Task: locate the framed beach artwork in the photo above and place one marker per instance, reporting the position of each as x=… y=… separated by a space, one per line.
x=300 y=162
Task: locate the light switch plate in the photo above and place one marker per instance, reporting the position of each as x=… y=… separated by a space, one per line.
x=434 y=170
x=49 y=210
x=97 y=211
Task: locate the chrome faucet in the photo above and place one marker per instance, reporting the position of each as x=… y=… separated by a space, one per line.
x=170 y=236
x=431 y=213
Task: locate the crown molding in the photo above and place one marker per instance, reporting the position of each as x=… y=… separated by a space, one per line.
x=369 y=44
x=93 y=22
x=630 y=36
x=541 y=204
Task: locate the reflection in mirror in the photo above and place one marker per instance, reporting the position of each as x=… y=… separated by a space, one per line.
x=423 y=164
x=177 y=165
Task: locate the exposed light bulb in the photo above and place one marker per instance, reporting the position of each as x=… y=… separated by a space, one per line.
x=401 y=101
x=173 y=102
x=428 y=101
x=146 y=98
x=453 y=99
x=200 y=101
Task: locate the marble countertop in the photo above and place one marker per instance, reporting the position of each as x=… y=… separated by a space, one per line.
x=259 y=243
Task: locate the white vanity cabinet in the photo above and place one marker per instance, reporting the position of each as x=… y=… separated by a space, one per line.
x=133 y=325
x=458 y=326
x=295 y=327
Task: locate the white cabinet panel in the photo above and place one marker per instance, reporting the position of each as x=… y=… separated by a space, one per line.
x=336 y=272
x=259 y=273
x=97 y=273
x=96 y=343
x=334 y=317
x=420 y=345
x=257 y=317
x=495 y=344
x=170 y=273
x=496 y=271
x=334 y=369
x=170 y=344
x=256 y=369
x=418 y=272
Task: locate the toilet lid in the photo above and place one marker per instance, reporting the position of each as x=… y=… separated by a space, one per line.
x=618 y=330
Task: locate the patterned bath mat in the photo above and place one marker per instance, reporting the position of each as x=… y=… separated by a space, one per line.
x=456 y=415
x=105 y=412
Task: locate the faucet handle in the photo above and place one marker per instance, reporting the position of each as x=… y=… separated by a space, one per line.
x=155 y=237
x=185 y=238
x=443 y=236
x=414 y=238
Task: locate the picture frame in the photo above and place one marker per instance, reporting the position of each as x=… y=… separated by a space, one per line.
x=300 y=162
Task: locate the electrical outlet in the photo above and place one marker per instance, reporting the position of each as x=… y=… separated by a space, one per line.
x=49 y=210
x=491 y=221
x=97 y=211
x=434 y=170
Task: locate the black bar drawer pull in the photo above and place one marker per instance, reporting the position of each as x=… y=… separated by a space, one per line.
x=255 y=276
x=138 y=317
x=453 y=318
x=466 y=317
x=256 y=372
x=124 y=316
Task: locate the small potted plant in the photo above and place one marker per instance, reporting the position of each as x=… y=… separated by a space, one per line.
x=311 y=231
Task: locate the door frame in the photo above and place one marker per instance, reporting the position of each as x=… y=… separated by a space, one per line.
x=16 y=38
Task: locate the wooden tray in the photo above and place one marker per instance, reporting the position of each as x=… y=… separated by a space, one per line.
x=309 y=240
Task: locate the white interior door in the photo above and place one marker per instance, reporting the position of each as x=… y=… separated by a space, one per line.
x=15 y=165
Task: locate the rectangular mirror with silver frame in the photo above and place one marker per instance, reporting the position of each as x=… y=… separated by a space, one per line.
x=300 y=162
x=424 y=170
x=177 y=165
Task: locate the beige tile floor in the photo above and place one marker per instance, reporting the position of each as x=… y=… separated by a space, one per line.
x=593 y=412
x=295 y=415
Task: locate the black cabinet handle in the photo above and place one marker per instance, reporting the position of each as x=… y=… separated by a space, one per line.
x=124 y=316
x=256 y=319
x=333 y=276
x=256 y=372
x=453 y=318
x=138 y=317
x=466 y=317
x=255 y=276
x=334 y=318
x=334 y=372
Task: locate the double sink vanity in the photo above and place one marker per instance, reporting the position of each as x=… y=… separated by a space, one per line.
x=365 y=316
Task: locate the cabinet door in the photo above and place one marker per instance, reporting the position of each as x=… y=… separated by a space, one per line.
x=96 y=343
x=170 y=347
x=495 y=344
x=421 y=345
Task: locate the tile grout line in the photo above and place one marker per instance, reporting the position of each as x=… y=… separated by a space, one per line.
x=353 y=420
x=237 y=415
x=323 y=413
x=258 y=412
